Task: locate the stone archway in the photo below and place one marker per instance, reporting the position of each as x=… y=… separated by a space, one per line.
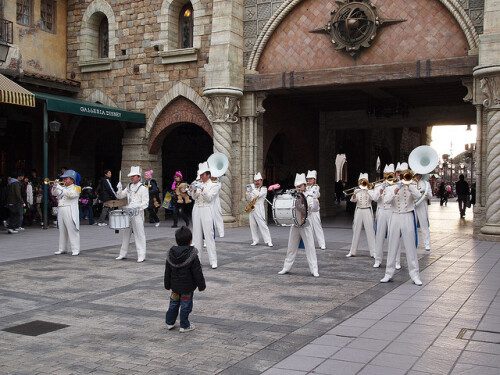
x=180 y=110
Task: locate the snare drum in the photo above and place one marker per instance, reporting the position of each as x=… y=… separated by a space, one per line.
x=119 y=219
x=290 y=209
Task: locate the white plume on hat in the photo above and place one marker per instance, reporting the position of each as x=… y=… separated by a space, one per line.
x=300 y=178
x=398 y=167
x=312 y=174
x=135 y=170
x=389 y=168
x=257 y=176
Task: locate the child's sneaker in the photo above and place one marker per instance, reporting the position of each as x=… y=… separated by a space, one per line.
x=169 y=327
x=190 y=328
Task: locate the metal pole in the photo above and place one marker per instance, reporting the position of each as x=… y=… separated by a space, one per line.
x=45 y=165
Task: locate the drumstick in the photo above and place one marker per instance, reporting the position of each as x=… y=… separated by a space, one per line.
x=120 y=176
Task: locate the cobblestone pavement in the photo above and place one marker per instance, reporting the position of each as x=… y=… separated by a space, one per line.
x=250 y=320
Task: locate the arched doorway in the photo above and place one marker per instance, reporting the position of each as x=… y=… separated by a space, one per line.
x=185 y=145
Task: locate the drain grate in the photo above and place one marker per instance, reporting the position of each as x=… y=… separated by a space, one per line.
x=35 y=328
x=479 y=335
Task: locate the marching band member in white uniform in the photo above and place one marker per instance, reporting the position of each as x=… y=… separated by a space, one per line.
x=68 y=214
x=402 y=227
x=400 y=167
x=305 y=232
x=363 y=216
x=203 y=221
x=383 y=215
x=422 y=211
x=137 y=198
x=216 y=208
x=314 y=216
x=257 y=217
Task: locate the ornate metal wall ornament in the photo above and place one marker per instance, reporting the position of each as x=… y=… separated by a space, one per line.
x=223 y=109
x=354 y=25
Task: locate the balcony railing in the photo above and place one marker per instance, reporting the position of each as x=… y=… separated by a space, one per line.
x=6 y=31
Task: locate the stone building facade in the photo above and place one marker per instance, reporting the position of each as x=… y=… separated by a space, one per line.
x=261 y=82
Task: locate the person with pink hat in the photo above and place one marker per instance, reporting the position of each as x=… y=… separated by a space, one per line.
x=180 y=199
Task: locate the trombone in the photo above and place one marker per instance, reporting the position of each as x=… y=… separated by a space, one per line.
x=364 y=183
x=46 y=181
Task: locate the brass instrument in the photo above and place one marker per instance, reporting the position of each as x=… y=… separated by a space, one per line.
x=46 y=181
x=407 y=175
x=251 y=205
x=364 y=183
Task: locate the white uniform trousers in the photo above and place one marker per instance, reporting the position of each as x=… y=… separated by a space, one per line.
x=137 y=227
x=69 y=236
x=423 y=219
x=257 y=222
x=383 y=218
x=315 y=221
x=203 y=226
x=401 y=228
x=363 y=217
x=296 y=234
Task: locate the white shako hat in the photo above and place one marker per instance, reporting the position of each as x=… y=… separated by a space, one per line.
x=135 y=170
x=389 y=168
x=257 y=176
x=300 y=178
x=312 y=174
x=404 y=167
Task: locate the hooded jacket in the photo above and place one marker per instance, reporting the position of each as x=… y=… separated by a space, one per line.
x=14 y=192
x=183 y=273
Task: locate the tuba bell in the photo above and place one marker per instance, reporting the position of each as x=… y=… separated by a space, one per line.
x=218 y=163
x=423 y=160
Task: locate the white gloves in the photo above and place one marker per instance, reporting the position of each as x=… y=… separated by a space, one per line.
x=119 y=186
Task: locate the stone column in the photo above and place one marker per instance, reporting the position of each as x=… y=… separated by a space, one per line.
x=487 y=93
x=223 y=115
x=224 y=86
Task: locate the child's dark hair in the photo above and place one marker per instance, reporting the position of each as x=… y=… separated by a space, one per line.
x=183 y=236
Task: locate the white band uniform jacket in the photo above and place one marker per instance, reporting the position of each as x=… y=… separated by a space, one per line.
x=203 y=220
x=67 y=196
x=137 y=197
x=257 y=217
x=383 y=216
x=314 y=216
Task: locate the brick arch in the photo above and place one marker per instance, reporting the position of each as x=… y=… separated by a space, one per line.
x=442 y=22
x=180 y=110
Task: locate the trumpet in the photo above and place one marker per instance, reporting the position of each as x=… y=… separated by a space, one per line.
x=250 y=187
x=195 y=185
x=46 y=181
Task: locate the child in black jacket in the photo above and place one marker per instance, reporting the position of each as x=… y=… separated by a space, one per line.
x=183 y=274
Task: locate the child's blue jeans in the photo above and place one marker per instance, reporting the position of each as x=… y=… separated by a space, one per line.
x=183 y=301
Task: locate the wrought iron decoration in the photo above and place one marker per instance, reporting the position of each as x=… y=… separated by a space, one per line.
x=354 y=25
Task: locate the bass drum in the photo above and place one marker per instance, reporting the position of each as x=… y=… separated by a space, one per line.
x=290 y=209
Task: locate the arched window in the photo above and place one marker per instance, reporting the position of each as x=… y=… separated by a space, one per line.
x=103 y=38
x=186 y=26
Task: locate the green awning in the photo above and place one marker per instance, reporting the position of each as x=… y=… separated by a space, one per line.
x=64 y=104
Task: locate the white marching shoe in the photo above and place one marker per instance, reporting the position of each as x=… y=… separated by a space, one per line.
x=398 y=266
x=323 y=247
x=214 y=266
x=75 y=253
x=140 y=260
x=254 y=243
x=350 y=255
x=270 y=244
x=315 y=274
x=376 y=265
x=120 y=257
x=386 y=279
x=282 y=272
x=417 y=281
x=60 y=252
